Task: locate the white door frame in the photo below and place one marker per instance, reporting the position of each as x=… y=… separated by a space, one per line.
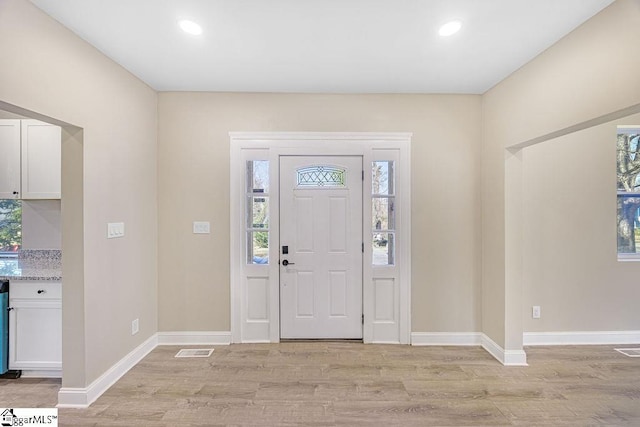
x=255 y=302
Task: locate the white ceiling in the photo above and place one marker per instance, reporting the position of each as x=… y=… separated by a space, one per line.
x=328 y=46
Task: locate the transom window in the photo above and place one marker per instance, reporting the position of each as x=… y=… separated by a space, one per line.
x=321 y=176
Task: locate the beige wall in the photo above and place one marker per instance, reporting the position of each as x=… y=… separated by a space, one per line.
x=194 y=185
x=48 y=70
x=570 y=264
x=586 y=75
x=159 y=162
x=41 y=224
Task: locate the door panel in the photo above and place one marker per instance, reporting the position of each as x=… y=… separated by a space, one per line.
x=321 y=224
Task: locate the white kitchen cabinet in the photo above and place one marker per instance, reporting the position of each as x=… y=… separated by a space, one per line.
x=41 y=160
x=35 y=327
x=30 y=160
x=9 y=159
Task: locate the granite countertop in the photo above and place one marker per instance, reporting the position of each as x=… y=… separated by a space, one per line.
x=32 y=265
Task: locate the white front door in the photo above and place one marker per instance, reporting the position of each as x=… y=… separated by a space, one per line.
x=321 y=247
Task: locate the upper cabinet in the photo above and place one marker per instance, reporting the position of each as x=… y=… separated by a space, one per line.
x=41 y=160
x=30 y=156
x=9 y=159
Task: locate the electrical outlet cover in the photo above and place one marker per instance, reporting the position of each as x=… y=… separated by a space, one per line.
x=535 y=312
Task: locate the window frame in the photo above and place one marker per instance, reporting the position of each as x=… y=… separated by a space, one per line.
x=629 y=130
x=250 y=196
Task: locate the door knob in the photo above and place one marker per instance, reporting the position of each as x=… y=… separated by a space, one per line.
x=286 y=262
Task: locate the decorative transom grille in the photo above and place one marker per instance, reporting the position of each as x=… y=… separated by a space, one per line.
x=321 y=176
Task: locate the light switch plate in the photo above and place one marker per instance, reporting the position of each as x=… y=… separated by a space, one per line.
x=115 y=229
x=535 y=311
x=201 y=227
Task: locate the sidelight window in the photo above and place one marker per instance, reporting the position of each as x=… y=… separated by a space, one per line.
x=257 y=212
x=383 y=200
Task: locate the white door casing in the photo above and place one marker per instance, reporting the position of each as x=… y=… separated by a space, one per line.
x=255 y=287
x=321 y=229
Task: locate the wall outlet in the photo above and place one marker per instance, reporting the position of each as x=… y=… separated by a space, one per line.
x=135 y=326
x=535 y=311
x=201 y=227
x=115 y=229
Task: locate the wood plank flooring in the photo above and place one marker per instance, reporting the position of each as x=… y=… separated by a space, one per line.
x=346 y=384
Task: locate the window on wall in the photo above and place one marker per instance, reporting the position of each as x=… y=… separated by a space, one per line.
x=10 y=226
x=383 y=227
x=257 y=212
x=628 y=191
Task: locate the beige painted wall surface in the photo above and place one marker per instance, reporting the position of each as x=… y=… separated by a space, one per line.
x=194 y=185
x=49 y=70
x=41 y=224
x=570 y=264
x=586 y=75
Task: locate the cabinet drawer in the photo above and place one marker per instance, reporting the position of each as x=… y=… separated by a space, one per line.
x=35 y=290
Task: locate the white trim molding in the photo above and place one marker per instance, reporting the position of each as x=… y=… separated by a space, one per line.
x=506 y=357
x=82 y=397
x=581 y=338
x=195 y=338
x=446 y=338
x=41 y=373
x=391 y=324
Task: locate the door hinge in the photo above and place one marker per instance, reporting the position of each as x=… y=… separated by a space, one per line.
x=363 y=318
x=363 y=175
x=362 y=247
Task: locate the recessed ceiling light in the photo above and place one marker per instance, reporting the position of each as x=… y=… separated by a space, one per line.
x=450 y=28
x=190 y=27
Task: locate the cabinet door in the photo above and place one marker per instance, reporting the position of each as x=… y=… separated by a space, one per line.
x=9 y=159
x=41 y=160
x=35 y=334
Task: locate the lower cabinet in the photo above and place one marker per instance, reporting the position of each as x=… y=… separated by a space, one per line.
x=35 y=327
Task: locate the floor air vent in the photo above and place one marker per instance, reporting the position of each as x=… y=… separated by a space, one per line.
x=195 y=352
x=631 y=352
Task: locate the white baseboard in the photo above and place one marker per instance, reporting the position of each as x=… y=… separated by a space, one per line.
x=194 y=338
x=77 y=397
x=41 y=373
x=83 y=397
x=445 y=338
x=506 y=357
x=581 y=338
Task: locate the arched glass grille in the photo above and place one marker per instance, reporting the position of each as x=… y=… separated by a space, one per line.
x=321 y=176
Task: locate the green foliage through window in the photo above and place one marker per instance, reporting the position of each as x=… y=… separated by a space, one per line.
x=628 y=189
x=10 y=225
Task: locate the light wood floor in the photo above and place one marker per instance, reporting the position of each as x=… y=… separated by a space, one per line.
x=326 y=384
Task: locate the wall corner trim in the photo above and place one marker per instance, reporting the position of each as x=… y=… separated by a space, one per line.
x=506 y=357
x=194 y=338
x=581 y=338
x=69 y=397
